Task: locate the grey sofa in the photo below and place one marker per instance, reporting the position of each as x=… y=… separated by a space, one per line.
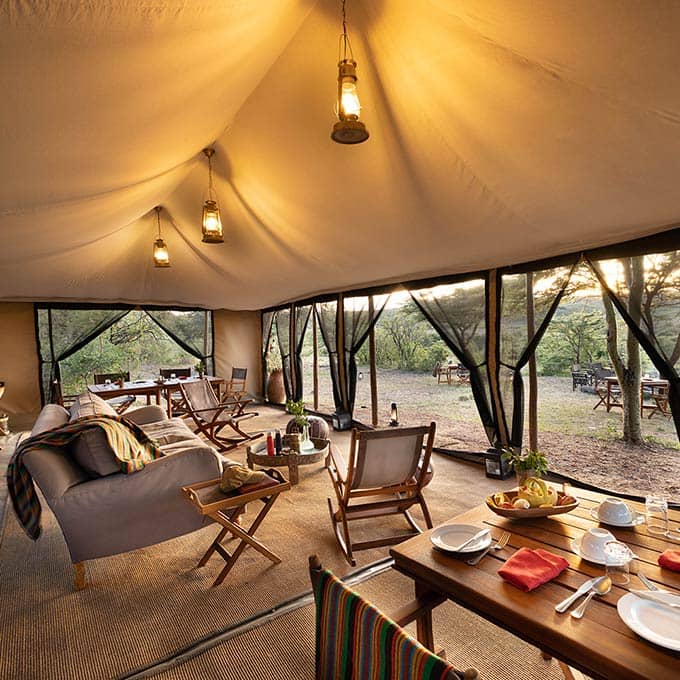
x=102 y=511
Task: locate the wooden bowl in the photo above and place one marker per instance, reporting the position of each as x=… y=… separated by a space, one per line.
x=519 y=513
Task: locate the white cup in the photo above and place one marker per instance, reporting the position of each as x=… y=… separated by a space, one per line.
x=593 y=542
x=614 y=510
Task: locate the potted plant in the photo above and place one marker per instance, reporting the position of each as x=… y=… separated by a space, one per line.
x=529 y=464
x=200 y=368
x=297 y=410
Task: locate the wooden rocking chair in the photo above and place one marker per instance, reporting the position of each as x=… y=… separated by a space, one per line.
x=211 y=417
x=385 y=475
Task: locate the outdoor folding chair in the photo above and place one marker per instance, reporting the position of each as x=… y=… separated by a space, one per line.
x=235 y=388
x=211 y=417
x=353 y=636
x=122 y=403
x=660 y=398
x=385 y=475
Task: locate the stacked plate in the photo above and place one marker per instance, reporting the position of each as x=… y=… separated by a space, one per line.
x=455 y=538
x=651 y=620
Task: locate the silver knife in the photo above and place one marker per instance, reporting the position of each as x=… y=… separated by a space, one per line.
x=562 y=607
x=479 y=534
x=654 y=597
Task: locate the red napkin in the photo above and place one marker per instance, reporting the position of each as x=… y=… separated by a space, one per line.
x=670 y=560
x=528 y=569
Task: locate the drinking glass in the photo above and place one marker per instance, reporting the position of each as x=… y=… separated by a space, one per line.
x=172 y=376
x=617 y=558
x=656 y=514
x=107 y=381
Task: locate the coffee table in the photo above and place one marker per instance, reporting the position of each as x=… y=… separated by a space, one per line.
x=257 y=455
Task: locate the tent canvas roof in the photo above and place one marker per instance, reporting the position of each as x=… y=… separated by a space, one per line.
x=501 y=132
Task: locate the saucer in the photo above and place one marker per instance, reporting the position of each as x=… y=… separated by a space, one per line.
x=638 y=518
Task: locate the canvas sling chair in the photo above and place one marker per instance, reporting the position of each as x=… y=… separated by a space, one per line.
x=384 y=475
x=354 y=639
x=211 y=416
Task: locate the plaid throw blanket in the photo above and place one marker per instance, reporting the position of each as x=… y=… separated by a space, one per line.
x=355 y=640
x=131 y=446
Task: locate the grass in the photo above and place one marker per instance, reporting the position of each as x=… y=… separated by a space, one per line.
x=561 y=410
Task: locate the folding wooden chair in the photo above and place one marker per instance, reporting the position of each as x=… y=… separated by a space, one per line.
x=385 y=475
x=660 y=398
x=123 y=402
x=211 y=416
x=235 y=388
x=354 y=639
x=178 y=406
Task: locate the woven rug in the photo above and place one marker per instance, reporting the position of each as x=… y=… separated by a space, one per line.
x=284 y=648
x=146 y=604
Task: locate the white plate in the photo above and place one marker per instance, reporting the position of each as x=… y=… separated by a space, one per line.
x=450 y=536
x=638 y=518
x=652 y=621
x=576 y=548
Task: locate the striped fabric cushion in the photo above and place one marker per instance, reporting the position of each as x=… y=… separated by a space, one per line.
x=131 y=446
x=355 y=640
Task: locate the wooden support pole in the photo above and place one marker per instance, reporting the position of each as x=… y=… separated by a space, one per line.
x=315 y=369
x=372 y=367
x=533 y=379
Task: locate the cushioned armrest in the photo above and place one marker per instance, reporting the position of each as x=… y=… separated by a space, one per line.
x=54 y=472
x=146 y=414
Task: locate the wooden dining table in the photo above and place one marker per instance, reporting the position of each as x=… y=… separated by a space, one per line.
x=600 y=644
x=148 y=389
x=647 y=385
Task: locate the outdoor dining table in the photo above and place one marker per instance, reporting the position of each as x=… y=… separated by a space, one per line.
x=148 y=389
x=651 y=385
x=600 y=644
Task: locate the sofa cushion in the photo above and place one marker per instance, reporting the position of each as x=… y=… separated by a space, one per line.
x=89 y=404
x=92 y=451
x=51 y=416
x=171 y=432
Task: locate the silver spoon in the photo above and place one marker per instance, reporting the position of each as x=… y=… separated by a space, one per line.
x=601 y=587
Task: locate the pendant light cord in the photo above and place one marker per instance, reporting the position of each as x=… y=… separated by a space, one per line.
x=345 y=44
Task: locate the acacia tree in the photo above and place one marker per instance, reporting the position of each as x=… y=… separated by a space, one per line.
x=627 y=368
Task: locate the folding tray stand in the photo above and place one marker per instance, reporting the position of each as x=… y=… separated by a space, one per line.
x=226 y=508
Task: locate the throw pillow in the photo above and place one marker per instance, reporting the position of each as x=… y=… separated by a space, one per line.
x=91 y=450
x=89 y=404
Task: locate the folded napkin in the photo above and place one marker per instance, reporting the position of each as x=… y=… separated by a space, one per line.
x=670 y=559
x=528 y=569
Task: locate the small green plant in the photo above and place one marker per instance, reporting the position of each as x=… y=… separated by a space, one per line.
x=297 y=410
x=531 y=460
x=200 y=367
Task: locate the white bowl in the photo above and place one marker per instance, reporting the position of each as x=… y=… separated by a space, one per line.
x=614 y=510
x=593 y=542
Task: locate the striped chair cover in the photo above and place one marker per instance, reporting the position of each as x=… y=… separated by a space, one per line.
x=354 y=640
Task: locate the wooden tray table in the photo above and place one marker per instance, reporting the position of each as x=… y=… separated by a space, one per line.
x=225 y=510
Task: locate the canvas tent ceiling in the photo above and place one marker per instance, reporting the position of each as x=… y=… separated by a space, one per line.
x=500 y=131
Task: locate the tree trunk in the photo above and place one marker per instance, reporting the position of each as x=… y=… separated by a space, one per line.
x=628 y=372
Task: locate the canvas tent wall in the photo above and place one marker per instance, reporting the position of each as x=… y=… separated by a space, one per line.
x=500 y=132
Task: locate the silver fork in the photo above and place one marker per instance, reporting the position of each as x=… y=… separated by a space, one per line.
x=646 y=582
x=498 y=545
